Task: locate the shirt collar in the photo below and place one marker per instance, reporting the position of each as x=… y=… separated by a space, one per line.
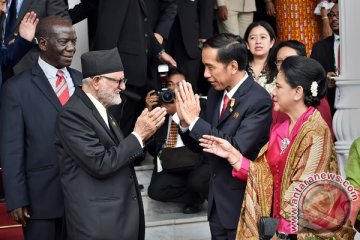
x=336 y=37
x=100 y=108
x=231 y=93
x=49 y=70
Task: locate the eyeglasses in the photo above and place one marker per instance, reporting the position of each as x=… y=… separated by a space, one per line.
x=278 y=63
x=118 y=81
x=332 y=15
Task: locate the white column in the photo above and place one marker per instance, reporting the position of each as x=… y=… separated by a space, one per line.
x=346 y=122
x=82 y=44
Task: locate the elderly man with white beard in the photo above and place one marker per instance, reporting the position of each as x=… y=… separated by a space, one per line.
x=102 y=199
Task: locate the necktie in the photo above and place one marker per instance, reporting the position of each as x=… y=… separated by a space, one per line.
x=338 y=58
x=62 y=90
x=10 y=22
x=172 y=137
x=226 y=100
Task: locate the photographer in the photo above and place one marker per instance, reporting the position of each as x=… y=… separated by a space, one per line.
x=184 y=178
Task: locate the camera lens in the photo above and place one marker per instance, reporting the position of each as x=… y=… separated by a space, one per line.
x=168 y=97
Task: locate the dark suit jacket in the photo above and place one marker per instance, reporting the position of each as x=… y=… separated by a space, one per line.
x=162 y=14
x=323 y=52
x=102 y=200
x=195 y=19
x=247 y=127
x=28 y=111
x=11 y=55
x=43 y=9
x=123 y=24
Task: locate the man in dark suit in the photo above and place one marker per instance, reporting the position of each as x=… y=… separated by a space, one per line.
x=125 y=24
x=102 y=199
x=30 y=103
x=327 y=51
x=22 y=43
x=42 y=9
x=192 y=26
x=189 y=185
x=239 y=110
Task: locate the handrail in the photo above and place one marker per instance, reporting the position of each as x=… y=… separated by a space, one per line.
x=10 y=226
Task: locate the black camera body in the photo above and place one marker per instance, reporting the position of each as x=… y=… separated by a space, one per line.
x=166 y=95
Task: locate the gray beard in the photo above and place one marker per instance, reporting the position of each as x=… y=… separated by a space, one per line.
x=109 y=98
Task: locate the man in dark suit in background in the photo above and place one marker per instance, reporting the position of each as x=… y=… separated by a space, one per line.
x=239 y=110
x=16 y=12
x=192 y=26
x=125 y=24
x=190 y=185
x=327 y=53
x=102 y=199
x=29 y=106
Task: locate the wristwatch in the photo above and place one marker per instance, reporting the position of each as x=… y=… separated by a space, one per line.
x=281 y=235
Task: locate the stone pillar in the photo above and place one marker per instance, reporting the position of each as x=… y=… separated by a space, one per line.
x=346 y=122
x=82 y=44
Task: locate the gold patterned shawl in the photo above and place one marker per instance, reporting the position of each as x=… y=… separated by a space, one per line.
x=311 y=152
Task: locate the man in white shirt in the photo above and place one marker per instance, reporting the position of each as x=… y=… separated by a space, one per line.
x=101 y=194
x=327 y=53
x=188 y=184
x=30 y=103
x=239 y=110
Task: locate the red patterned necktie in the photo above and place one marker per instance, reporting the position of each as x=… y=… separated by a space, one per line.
x=172 y=137
x=226 y=101
x=62 y=90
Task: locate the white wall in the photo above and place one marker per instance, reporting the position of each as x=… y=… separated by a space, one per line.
x=82 y=44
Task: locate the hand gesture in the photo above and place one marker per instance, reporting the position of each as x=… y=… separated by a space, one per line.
x=330 y=79
x=151 y=100
x=166 y=58
x=149 y=121
x=187 y=103
x=270 y=8
x=221 y=148
x=19 y=215
x=222 y=13
x=159 y=38
x=217 y=146
x=28 y=26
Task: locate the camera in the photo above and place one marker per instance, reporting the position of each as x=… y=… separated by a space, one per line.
x=163 y=72
x=166 y=95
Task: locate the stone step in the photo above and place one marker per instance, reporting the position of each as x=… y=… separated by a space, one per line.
x=177 y=227
x=165 y=220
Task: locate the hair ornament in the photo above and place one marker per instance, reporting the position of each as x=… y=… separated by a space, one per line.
x=314 y=89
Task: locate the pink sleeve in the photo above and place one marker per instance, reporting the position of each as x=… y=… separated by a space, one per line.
x=243 y=171
x=284 y=226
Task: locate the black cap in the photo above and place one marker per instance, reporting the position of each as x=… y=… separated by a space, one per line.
x=101 y=62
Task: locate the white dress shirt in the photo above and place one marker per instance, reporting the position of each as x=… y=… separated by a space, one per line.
x=51 y=72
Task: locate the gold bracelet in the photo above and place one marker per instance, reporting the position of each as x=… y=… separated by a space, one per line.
x=324 y=18
x=232 y=164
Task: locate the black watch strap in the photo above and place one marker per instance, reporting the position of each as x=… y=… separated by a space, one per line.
x=281 y=235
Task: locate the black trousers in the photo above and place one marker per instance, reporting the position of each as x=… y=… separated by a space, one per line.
x=45 y=229
x=218 y=231
x=190 y=187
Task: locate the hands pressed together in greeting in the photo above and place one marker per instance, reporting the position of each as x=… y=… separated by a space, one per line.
x=149 y=121
x=187 y=104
